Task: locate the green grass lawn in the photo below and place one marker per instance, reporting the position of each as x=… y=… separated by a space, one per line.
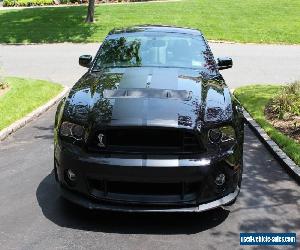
x=24 y=96
x=254 y=98
x=270 y=21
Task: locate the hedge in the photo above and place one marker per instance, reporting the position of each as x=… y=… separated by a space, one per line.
x=26 y=3
x=9 y=3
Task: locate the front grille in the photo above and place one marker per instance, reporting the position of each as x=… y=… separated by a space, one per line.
x=147 y=140
x=143 y=191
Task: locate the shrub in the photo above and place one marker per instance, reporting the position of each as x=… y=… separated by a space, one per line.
x=293 y=88
x=8 y=3
x=3 y=84
x=24 y=3
x=69 y=1
x=287 y=102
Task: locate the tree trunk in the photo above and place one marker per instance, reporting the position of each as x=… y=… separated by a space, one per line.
x=90 y=13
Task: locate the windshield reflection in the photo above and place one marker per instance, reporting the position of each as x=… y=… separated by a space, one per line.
x=154 y=50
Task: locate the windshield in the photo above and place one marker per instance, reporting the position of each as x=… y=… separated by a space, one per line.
x=154 y=50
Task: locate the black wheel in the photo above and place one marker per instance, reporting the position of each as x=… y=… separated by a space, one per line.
x=55 y=171
x=230 y=204
x=241 y=174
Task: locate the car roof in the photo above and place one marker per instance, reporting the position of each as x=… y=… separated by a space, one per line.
x=156 y=28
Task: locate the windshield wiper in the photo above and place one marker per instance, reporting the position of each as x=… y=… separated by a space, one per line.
x=113 y=67
x=144 y=66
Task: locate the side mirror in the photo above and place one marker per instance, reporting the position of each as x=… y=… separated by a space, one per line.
x=85 y=61
x=224 y=63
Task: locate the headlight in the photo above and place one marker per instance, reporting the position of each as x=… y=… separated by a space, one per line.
x=72 y=130
x=223 y=134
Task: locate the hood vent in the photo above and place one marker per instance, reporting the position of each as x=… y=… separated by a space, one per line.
x=148 y=93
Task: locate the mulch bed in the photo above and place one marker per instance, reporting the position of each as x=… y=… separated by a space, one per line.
x=3 y=90
x=289 y=126
x=74 y=2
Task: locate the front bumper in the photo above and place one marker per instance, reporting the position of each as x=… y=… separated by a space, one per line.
x=93 y=205
x=152 y=183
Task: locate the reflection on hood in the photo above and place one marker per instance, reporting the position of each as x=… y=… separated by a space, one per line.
x=149 y=97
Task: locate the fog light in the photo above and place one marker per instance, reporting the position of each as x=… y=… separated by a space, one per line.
x=71 y=175
x=220 y=179
x=214 y=135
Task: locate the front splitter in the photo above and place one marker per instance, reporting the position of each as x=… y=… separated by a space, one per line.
x=87 y=203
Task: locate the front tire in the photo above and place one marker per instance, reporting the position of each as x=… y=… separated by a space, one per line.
x=230 y=204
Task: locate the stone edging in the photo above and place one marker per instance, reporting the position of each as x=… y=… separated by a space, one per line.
x=289 y=165
x=31 y=116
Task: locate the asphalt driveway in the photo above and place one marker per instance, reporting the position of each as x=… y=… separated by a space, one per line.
x=33 y=216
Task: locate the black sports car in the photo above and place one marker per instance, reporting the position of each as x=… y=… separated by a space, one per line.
x=151 y=126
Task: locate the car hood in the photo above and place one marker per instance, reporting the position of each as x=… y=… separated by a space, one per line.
x=164 y=97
